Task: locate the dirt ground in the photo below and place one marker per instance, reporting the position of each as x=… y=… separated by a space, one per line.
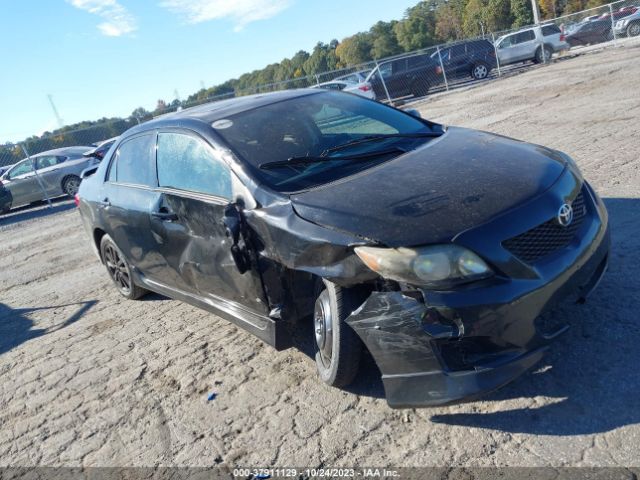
x=87 y=378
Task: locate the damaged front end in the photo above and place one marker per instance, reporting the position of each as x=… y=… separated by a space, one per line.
x=434 y=348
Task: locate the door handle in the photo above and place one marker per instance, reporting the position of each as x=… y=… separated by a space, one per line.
x=165 y=216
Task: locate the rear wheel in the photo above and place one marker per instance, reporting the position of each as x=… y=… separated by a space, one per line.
x=119 y=269
x=480 y=71
x=419 y=88
x=543 y=54
x=633 y=30
x=5 y=209
x=71 y=185
x=338 y=348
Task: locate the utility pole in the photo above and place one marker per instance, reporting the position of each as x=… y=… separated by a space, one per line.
x=536 y=12
x=55 y=111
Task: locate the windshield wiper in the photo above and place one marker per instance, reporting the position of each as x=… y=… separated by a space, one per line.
x=308 y=160
x=374 y=138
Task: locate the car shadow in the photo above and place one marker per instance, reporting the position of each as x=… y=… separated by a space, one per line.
x=34 y=211
x=590 y=381
x=16 y=327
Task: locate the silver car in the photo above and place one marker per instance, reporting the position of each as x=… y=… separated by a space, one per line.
x=363 y=89
x=629 y=26
x=534 y=43
x=355 y=77
x=57 y=172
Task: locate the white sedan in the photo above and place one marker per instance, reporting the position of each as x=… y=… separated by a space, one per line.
x=364 y=89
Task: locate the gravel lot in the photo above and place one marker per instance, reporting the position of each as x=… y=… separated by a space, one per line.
x=87 y=378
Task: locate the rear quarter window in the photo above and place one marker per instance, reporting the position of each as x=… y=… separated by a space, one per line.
x=133 y=162
x=550 y=30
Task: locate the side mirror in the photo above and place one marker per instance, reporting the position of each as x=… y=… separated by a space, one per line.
x=413 y=112
x=87 y=172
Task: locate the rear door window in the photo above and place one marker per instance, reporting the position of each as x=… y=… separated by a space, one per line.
x=46 y=162
x=525 y=36
x=133 y=162
x=416 y=61
x=479 y=46
x=188 y=163
x=400 y=66
x=458 y=51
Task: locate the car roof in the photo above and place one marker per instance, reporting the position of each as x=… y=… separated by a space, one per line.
x=79 y=150
x=210 y=112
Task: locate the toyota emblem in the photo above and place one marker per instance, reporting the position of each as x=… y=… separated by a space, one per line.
x=565 y=215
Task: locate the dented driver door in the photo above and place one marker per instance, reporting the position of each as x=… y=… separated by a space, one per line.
x=190 y=224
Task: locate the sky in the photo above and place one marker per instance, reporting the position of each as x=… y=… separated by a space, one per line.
x=104 y=58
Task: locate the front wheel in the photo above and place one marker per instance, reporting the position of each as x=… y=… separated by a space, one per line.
x=338 y=348
x=71 y=185
x=119 y=269
x=633 y=30
x=543 y=54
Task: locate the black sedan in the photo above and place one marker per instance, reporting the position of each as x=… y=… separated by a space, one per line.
x=439 y=249
x=594 y=31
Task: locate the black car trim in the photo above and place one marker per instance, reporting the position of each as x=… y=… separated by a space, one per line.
x=263 y=327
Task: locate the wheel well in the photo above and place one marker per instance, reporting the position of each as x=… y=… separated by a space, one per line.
x=65 y=178
x=97 y=238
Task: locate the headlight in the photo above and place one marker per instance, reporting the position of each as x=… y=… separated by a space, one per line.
x=437 y=266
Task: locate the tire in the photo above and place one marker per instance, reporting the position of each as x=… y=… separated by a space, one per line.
x=633 y=30
x=419 y=88
x=119 y=270
x=337 y=347
x=71 y=184
x=546 y=51
x=5 y=209
x=480 y=71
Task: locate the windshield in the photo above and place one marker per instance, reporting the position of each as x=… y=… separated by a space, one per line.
x=313 y=126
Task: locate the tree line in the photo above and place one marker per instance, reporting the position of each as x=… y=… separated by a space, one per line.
x=428 y=23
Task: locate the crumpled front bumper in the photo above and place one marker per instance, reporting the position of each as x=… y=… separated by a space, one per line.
x=434 y=350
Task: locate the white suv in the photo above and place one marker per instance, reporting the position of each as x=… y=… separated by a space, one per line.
x=534 y=43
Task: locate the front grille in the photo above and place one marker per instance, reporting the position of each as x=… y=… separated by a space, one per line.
x=547 y=237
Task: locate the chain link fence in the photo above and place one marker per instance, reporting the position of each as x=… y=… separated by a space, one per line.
x=406 y=77
x=413 y=75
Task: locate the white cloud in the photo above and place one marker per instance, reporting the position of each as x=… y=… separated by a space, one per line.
x=117 y=19
x=241 y=12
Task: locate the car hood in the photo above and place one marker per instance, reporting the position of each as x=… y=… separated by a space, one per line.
x=429 y=195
